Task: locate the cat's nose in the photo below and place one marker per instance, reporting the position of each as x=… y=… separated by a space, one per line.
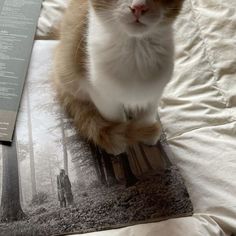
x=139 y=9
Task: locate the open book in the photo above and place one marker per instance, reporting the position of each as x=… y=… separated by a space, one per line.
x=54 y=182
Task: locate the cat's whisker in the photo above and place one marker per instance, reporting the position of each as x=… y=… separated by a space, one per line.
x=69 y=82
x=109 y=20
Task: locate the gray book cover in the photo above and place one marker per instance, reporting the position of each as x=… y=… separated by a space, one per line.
x=52 y=182
x=18 y=20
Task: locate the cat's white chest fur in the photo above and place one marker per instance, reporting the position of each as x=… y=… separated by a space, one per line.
x=126 y=71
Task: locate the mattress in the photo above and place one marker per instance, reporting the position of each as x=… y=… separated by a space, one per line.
x=198 y=112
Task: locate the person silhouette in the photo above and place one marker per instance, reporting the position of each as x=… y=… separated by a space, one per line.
x=65 y=195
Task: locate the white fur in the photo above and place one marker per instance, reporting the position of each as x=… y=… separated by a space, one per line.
x=127 y=72
x=138 y=2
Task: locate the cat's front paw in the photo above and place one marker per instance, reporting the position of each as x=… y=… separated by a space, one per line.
x=113 y=142
x=154 y=137
x=116 y=148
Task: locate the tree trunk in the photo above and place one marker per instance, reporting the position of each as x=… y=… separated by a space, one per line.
x=65 y=152
x=98 y=158
x=145 y=158
x=31 y=147
x=10 y=209
x=20 y=185
x=95 y=162
x=110 y=173
x=51 y=175
x=135 y=160
x=19 y=173
x=129 y=176
x=1 y=169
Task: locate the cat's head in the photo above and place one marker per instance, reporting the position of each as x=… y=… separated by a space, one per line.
x=137 y=17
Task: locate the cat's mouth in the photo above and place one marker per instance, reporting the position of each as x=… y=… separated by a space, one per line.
x=137 y=23
x=136 y=27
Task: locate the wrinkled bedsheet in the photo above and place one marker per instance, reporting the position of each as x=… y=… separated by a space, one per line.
x=198 y=111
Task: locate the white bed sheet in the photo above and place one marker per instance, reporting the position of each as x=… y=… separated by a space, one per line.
x=198 y=110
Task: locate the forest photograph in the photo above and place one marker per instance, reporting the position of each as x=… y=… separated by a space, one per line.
x=52 y=181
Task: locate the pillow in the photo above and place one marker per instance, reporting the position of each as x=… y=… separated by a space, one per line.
x=49 y=20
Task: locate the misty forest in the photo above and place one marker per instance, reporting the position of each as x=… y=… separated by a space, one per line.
x=53 y=181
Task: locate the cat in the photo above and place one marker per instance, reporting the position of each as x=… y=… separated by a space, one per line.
x=112 y=63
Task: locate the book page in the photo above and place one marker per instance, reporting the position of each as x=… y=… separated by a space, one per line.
x=18 y=20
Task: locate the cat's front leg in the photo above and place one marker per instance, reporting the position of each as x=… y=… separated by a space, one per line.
x=149 y=116
x=108 y=107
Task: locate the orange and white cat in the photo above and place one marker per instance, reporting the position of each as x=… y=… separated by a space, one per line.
x=113 y=61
